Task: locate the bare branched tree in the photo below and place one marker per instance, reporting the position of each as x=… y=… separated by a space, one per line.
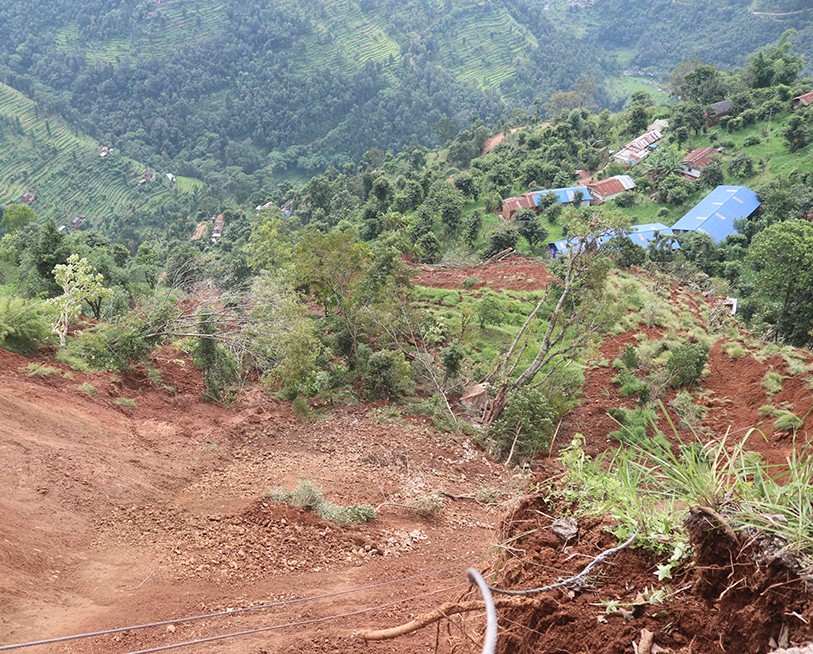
x=578 y=315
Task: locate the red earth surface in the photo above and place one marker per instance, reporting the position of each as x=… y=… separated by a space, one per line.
x=117 y=513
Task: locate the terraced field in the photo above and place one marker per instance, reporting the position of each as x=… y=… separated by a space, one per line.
x=173 y=23
x=485 y=45
x=41 y=154
x=345 y=34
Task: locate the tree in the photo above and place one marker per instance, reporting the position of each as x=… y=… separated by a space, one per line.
x=529 y=227
x=16 y=217
x=782 y=259
x=574 y=307
x=797 y=134
x=80 y=283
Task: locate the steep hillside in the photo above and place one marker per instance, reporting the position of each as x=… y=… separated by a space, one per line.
x=216 y=86
x=41 y=155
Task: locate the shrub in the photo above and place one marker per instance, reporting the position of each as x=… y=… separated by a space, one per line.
x=126 y=402
x=22 y=327
x=686 y=363
x=787 y=421
x=386 y=376
x=489 y=311
x=310 y=497
x=772 y=382
x=87 y=388
x=690 y=413
x=301 y=408
x=635 y=426
x=40 y=370
x=525 y=426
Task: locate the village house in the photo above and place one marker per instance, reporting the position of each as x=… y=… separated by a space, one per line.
x=697 y=160
x=217 y=230
x=606 y=189
x=535 y=199
x=717 y=110
x=717 y=213
x=639 y=149
x=804 y=100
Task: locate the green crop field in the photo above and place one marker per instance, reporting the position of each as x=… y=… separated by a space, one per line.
x=42 y=154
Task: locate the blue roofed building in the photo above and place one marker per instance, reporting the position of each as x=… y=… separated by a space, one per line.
x=716 y=214
x=641 y=235
x=565 y=195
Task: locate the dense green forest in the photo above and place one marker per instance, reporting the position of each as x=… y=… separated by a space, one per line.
x=242 y=93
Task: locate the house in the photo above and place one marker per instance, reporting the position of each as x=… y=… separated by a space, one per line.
x=29 y=198
x=607 y=189
x=217 y=230
x=171 y=178
x=76 y=223
x=641 y=235
x=804 y=100
x=639 y=149
x=697 y=160
x=535 y=199
x=104 y=151
x=717 y=110
x=717 y=213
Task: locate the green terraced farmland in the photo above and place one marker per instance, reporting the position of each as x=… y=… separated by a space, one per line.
x=41 y=154
x=484 y=45
x=172 y=24
x=345 y=37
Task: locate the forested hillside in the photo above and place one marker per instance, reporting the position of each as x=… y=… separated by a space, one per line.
x=243 y=93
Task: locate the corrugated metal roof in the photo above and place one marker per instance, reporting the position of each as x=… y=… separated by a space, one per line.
x=612 y=185
x=700 y=158
x=641 y=235
x=639 y=149
x=563 y=195
x=716 y=213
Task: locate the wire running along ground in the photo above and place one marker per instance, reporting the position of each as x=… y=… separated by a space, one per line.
x=248 y=632
x=237 y=611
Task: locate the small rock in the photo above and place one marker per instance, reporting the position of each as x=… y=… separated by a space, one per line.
x=566 y=528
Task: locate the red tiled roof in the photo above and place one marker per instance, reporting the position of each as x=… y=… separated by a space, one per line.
x=510 y=205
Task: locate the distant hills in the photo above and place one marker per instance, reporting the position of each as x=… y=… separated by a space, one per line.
x=243 y=93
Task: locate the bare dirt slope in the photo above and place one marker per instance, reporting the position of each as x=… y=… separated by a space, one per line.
x=115 y=516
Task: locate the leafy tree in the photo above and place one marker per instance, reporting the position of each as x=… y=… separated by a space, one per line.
x=712 y=175
x=16 y=217
x=472 y=224
x=79 y=283
x=386 y=376
x=742 y=166
x=525 y=426
x=269 y=246
x=488 y=311
x=529 y=227
x=798 y=133
x=502 y=237
x=782 y=259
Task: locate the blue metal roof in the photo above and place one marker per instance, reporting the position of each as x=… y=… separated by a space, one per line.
x=716 y=213
x=641 y=235
x=563 y=195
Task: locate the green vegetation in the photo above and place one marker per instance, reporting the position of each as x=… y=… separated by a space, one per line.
x=126 y=402
x=43 y=154
x=41 y=370
x=309 y=497
x=87 y=388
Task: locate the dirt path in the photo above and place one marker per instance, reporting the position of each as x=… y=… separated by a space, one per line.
x=113 y=517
